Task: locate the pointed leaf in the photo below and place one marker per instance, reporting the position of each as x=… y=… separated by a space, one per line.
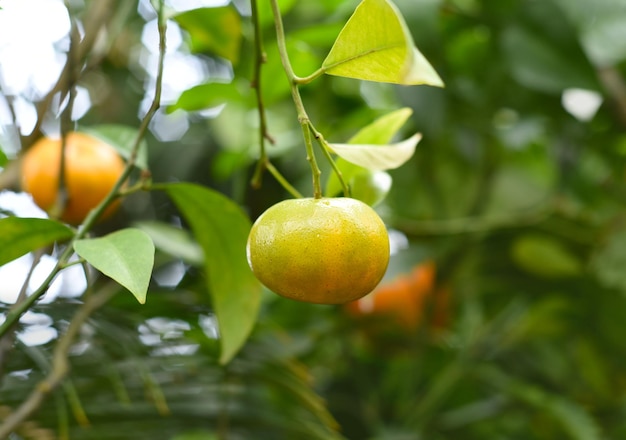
x=376 y=45
x=18 y=236
x=127 y=256
x=366 y=185
x=122 y=138
x=215 y=30
x=221 y=229
x=383 y=129
x=378 y=157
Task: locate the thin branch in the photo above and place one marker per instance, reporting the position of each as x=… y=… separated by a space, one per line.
x=615 y=86
x=264 y=162
x=326 y=150
x=303 y=118
x=60 y=364
x=95 y=19
x=6 y=341
x=285 y=184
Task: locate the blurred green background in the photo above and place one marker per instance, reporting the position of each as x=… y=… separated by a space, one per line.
x=517 y=194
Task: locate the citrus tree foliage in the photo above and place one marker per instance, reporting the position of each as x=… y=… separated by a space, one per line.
x=488 y=135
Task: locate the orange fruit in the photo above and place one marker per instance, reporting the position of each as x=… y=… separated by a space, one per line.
x=91 y=169
x=404 y=299
x=324 y=251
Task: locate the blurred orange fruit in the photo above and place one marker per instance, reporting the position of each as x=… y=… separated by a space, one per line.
x=406 y=298
x=91 y=169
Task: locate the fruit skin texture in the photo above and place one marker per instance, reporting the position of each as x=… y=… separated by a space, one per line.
x=91 y=169
x=323 y=251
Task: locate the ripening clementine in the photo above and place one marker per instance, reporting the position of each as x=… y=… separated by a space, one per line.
x=324 y=251
x=404 y=298
x=91 y=169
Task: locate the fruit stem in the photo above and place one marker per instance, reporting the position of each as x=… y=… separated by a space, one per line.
x=281 y=179
x=303 y=118
x=326 y=150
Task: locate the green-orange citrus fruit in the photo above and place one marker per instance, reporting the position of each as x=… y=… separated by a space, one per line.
x=324 y=251
x=91 y=169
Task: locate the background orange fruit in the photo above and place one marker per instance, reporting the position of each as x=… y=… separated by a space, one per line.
x=406 y=298
x=326 y=251
x=91 y=169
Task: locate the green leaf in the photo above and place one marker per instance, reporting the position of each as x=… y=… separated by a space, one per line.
x=195 y=435
x=376 y=45
x=369 y=186
x=18 y=236
x=122 y=138
x=127 y=256
x=577 y=422
x=174 y=241
x=378 y=157
x=537 y=63
x=383 y=129
x=266 y=17
x=213 y=30
x=205 y=96
x=3 y=158
x=601 y=28
x=544 y=256
x=609 y=260
x=222 y=229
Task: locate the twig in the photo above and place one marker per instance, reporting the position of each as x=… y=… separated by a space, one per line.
x=264 y=162
x=94 y=20
x=6 y=341
x=303 y=118
x=60 y=364
x=615 y=86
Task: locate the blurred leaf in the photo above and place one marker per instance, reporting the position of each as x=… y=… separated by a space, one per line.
x=3 y=157
x=601 y=26
x=274 y=83
x=539 y=65
x=293 y=377
x=18 y=236
x=221 y=229
x=266 y=18
x=609 y=260
x=378 y=157
x=173 y=240
x=214 y=30
x=126 y=255
x=196 y=435
x=573 y=418
x=205 y=96
x=545 y=256
x=376 y=45
x=122 y=138
x=370 y=187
